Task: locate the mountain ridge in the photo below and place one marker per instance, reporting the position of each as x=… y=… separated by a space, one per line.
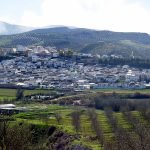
x=83 y=40
x=9 y=29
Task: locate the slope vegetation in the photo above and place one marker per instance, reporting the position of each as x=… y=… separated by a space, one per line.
x=84 y=40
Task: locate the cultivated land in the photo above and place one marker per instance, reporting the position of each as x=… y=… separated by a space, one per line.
x=110 y=125
x=10 y=94
x=45 y=115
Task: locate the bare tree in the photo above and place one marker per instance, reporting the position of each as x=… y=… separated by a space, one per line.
x=19 y=94
x=141 y=130
x=58 y=117
x=123 y=139
x=76 y=120
x=96 y=125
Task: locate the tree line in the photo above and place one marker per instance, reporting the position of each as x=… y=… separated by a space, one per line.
x=133 y=62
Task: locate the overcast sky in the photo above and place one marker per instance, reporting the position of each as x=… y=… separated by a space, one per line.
x=116 y=15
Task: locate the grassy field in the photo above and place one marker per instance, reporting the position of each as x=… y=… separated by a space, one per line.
x=45 y=114
x=10 y=94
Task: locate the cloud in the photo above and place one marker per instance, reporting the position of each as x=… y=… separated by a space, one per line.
x=118 y=15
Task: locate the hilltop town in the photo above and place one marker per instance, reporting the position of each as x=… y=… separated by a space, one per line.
x=48 y=67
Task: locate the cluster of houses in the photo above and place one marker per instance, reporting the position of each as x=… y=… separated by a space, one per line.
x=39 y=67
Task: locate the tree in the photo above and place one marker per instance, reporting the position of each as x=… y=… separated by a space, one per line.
x=96 y=125
x=69 y=53
x=76 y=120
x=13 y=136
x=19 y=94
x=58 y=117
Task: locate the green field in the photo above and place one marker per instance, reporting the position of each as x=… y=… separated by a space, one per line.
x=45 y=115
x=10 y=94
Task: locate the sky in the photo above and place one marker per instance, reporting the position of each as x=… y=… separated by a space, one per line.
x=115 y=15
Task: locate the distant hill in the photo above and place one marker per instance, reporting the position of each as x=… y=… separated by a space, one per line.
x=84 y=40
x=8 y=29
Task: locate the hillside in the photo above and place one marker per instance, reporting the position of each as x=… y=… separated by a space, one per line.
x=8 y=29
x=84 y=40
x=124 y=48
